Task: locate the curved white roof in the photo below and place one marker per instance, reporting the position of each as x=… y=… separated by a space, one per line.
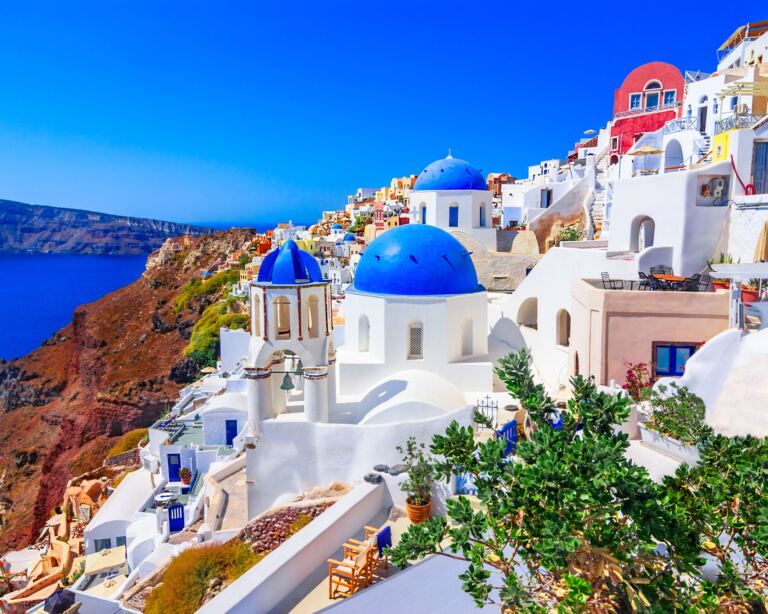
x=228 y=400
x=128 y=499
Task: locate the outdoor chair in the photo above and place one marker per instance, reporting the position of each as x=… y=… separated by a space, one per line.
x=352 y=573
x=611 y=284
x=649 y=282
x=704 y=282
x=661 y=269
x=508 y=433
x=691 y=284
x=380 y=540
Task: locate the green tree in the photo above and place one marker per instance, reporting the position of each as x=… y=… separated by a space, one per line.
x=570 y=524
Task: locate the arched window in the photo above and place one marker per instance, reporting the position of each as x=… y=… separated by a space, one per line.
x=255 y=313
x=482 y=216
x=467 y=348
x=363 y=334
x=415 y=341
x=614 y=159
x=528 y=315
x=653 y=85
x=314 y=317
x=563 y=328
x=423 y=213
x=282 y=316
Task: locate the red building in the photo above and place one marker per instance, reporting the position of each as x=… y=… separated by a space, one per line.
x=650 y=96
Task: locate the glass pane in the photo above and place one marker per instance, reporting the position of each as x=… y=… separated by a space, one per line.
x=651 y=101
x=682 y=354
x=662 y=359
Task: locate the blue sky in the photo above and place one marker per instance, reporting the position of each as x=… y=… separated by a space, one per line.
x=243 y=112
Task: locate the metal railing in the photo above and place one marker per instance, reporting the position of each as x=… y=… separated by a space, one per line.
x=653 y=109
x=680 y=124
x=737 y=120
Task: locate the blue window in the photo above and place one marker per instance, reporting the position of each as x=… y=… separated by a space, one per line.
x=453 y=216
x=120 y=540
x=482 y=216
x=635 y=100
x=669 y=358
x=102 y=544
x=230 y=427
x=669 y=98
x=734 y=102
x=423 y=214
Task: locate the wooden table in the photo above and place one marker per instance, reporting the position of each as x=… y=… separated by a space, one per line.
x=668 y=277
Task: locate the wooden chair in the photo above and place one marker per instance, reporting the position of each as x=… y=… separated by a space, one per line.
x=379 y=557
x=352 y=573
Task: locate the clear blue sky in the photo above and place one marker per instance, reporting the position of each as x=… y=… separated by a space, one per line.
x=238 y=112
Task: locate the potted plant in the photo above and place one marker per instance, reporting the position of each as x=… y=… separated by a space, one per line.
x=750 y=292
x=418 y=485
x=675 y=423
x=719 y=283
x=185 y=475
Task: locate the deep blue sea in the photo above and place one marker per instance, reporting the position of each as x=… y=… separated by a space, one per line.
x=40 y=292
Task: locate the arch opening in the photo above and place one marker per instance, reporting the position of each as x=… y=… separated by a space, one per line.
x=528 y=314
x=563 y=328
x=643 y=230
x=314 y=317
x=282 y=314
x=673 y=155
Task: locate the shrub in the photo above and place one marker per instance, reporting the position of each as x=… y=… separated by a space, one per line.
x=570 y=233
x=203 y=345
x=196 y=288
x=639 y=382
x=186 y=579
x=679 y=415
x=127 y=442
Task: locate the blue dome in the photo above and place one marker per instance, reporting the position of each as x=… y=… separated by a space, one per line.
x=289 y=266
x=450 y=174
x=349 y=238
x=336 y=227
x=416 y=260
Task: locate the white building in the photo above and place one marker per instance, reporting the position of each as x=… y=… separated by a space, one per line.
x=452 y=195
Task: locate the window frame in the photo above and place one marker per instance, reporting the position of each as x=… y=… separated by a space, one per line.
x=614 y=143
x=639 y=106
x=671 y=371
x=674 y=98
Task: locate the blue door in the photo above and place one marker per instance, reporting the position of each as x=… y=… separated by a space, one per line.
x=175 y=517
x=760 y=167
x=230 y=427
x=174 y=464
x=482 y=217
x=453 y=217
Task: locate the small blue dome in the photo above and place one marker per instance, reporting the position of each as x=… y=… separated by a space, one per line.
x=349 y=238
x=289 y=266
x=416 y=260
x=450 y=174
x=336 y=227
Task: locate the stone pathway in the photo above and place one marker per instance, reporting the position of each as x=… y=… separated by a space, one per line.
x=236 y=507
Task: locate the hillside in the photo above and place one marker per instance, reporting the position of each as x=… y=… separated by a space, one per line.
x=39 y=229
x=117 y=366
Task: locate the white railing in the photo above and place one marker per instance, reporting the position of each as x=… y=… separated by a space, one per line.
x=653 y=109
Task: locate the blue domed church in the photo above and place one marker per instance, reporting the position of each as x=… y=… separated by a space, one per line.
x=452 y=194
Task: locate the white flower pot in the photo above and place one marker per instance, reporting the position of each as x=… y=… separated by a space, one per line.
x=669 y=446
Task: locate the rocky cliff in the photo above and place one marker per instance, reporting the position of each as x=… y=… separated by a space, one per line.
x=117 y=366
x=36 y=228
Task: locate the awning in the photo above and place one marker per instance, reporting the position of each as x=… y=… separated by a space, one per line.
x=741 y=272
x=761 y=249
x=109 y=558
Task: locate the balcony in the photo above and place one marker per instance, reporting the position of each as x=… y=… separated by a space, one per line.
x=737 y=120
x=681 y=124
x=651 y=109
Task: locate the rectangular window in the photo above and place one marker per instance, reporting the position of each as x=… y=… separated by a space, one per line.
x=102 y=544
x=760 y=167
x=669 y=359
x=120 y=540
x=415 y=341
x=635 y=100
x=453 y=216
x=614 y=143
x=734 y=102
x=670 y=98
x=652 y=101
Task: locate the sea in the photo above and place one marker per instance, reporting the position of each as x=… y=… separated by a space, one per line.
x=39 y=292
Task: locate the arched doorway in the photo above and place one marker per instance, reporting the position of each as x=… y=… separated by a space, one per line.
x=614 y=159
x=643 y=230
x=673 y=155
x=528 y=314
x=563 y=335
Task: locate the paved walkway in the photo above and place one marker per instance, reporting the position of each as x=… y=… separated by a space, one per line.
x=236 y=507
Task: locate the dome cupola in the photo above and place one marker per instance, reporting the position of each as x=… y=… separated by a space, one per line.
x=289 y=266
x=450 y=174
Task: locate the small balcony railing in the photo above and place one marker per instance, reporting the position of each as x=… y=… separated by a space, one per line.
x=653 y=109
x=680 y=124
x=737 y=120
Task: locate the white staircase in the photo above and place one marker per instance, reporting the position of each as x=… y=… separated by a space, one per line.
x=597 y=210
x=706 y=147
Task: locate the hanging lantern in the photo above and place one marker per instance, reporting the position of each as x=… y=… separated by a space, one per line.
x=287 y=383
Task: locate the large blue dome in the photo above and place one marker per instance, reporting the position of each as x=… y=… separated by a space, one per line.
x=450 y=174
x=289 y=266
x=416 y=260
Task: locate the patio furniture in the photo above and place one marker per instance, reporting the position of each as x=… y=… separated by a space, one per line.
x=661 y=269
x=352 y=573
x=611 y=284
x=689 y=285
x=380 y=540
x=653 y=283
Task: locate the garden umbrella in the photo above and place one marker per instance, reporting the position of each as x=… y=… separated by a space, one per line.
x=646 y=150
x=761 y=249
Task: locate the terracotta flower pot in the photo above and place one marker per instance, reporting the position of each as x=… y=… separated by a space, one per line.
x=748 y=295
x=417 y=513
x=721 y=285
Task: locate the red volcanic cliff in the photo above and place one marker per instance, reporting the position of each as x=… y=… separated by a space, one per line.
x=117 y=366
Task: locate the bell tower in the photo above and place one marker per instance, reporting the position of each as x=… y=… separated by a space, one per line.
x=290 y=317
